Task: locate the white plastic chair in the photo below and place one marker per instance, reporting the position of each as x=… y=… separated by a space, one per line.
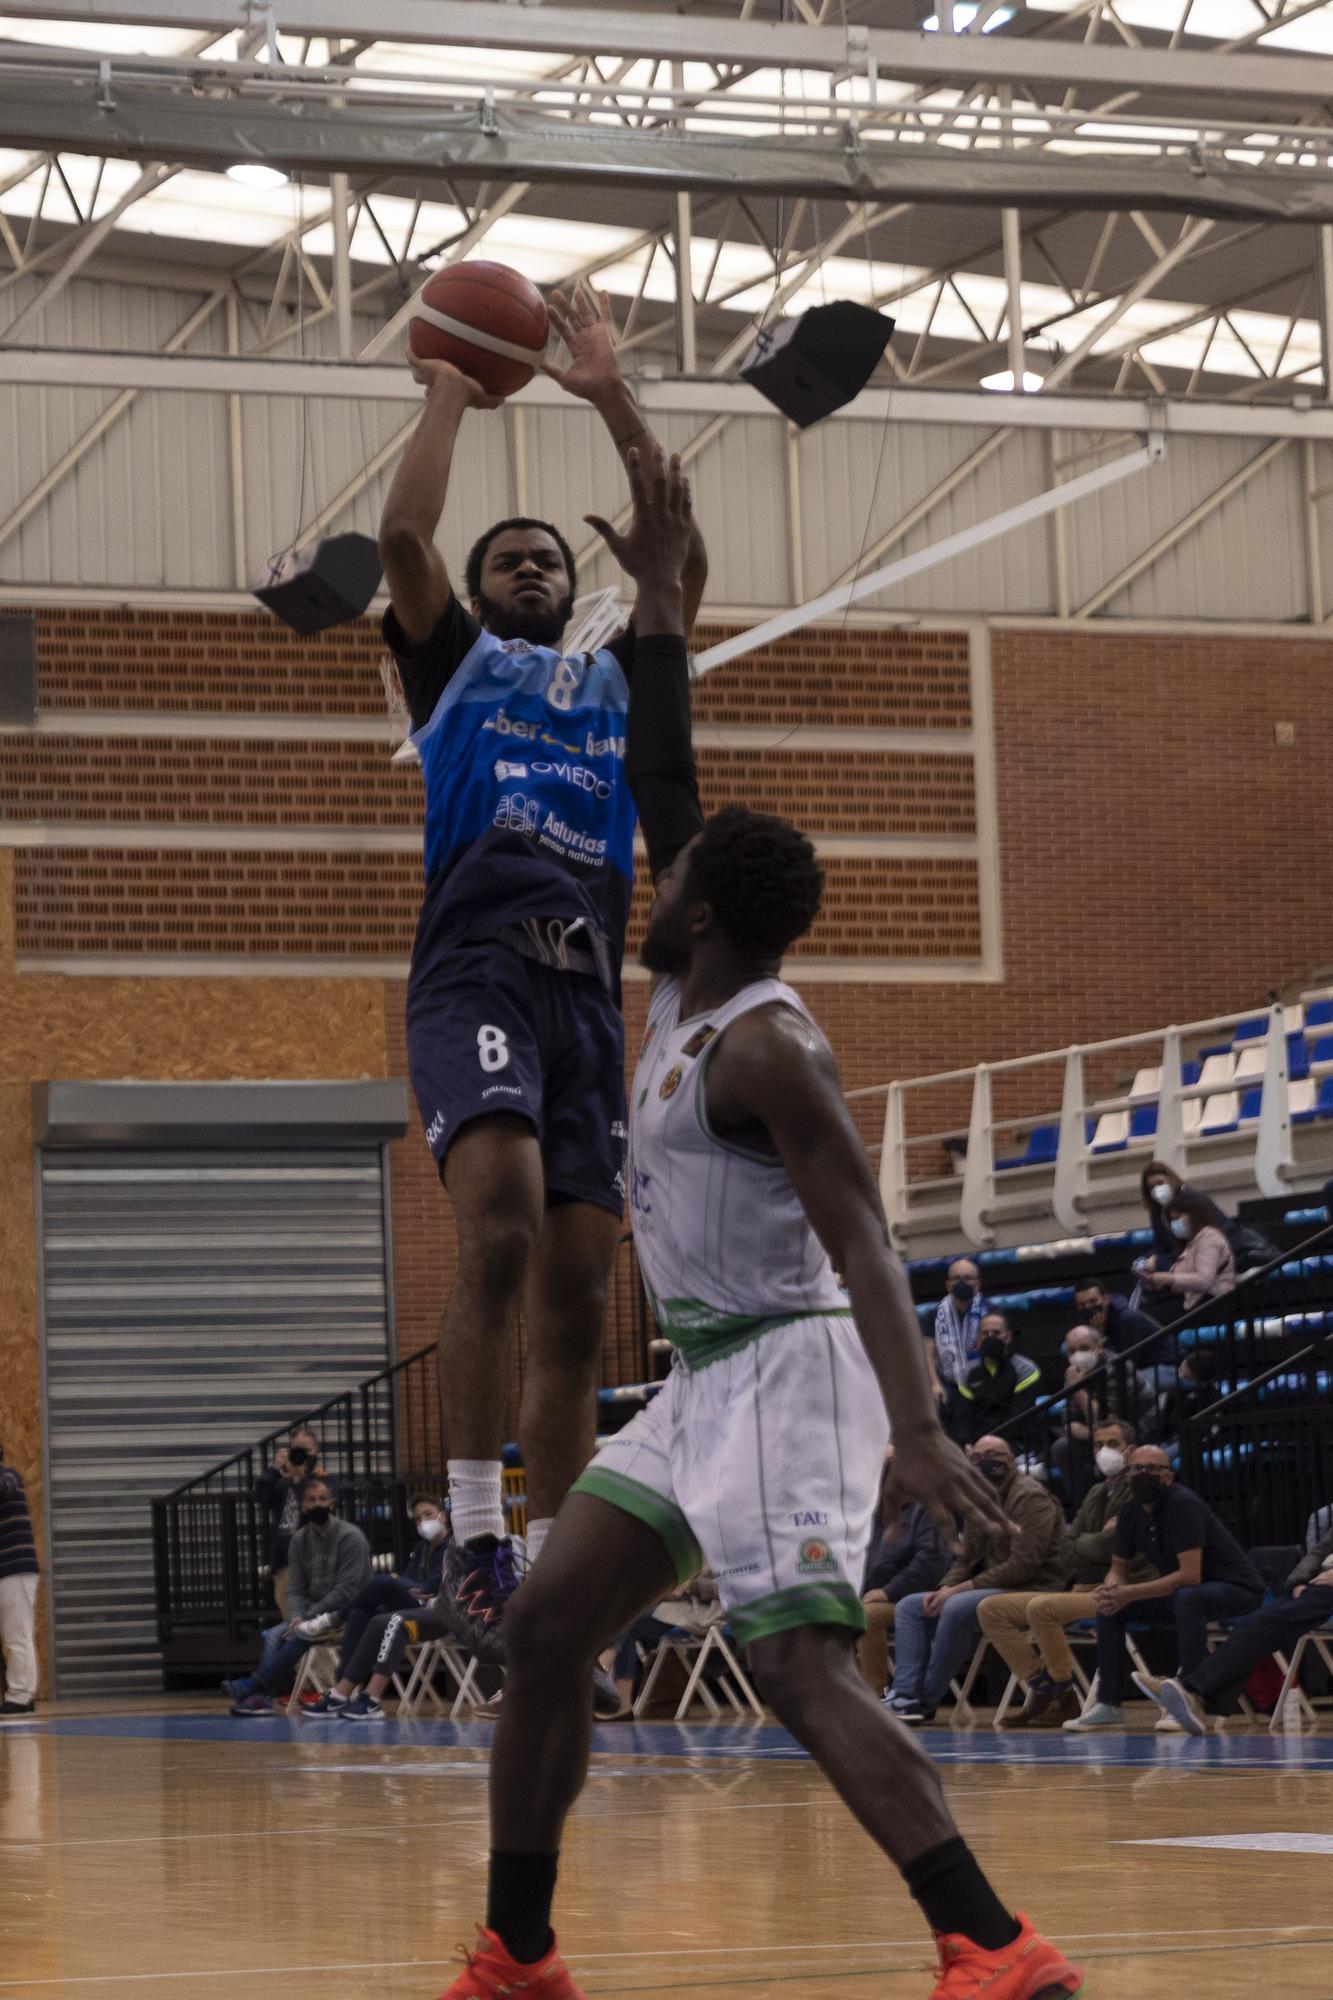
x=1320 y=1638
x=318 y=1669
x=694 y=1652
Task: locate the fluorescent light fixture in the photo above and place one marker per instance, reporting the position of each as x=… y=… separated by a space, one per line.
x=252 y=174
x=964 y=13
x=1005 y=380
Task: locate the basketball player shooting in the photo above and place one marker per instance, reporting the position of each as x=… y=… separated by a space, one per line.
x=762 y=1454
x=514 y=1036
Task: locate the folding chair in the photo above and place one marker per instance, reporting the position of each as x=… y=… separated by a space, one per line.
x=318 y=1668
x=1218 y=1633
x=1075 y=1637
x=1136 y=1661
x=1320 y=1639
x=430 y=1657
x=694 y=1652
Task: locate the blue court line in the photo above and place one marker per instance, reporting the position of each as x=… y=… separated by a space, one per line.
x=723 y=1742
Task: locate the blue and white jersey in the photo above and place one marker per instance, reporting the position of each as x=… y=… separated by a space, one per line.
x=528 y=812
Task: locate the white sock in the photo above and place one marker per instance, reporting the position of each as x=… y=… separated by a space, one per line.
x=476 y=1498
x=537 y=1533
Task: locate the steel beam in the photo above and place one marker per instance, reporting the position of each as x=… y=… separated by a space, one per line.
x=505 y=142
x=1024 y=60
x=1184 y=245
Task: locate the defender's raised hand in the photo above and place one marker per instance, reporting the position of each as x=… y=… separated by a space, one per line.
x=657 y=540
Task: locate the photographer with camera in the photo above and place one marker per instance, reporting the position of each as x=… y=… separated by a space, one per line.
x=278 y=1490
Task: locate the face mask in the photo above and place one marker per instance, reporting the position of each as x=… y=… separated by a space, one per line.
x=1110 y=1462
x=994 y=1469
x=1162 y=1193
x=962 y=1292
x=319 y=1515
x=1082 y=1361
x=1180 y=1228
x=993 y=1348
x=431 y=1529
x=1145 y=1486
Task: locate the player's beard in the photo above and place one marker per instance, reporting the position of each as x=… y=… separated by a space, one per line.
x=538 y=628
x=666 y=946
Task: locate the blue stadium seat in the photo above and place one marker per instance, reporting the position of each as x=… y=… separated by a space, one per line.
x=1249 y=1105
x=1324 y=1102
x=1217 y=1049
x=1044 y=1144
x=1190 y=1072
x=1319 y=1014
x=1251 y=1031
x=1143 y=1122
x=1298 y=1058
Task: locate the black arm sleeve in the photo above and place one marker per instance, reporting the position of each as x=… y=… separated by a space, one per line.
x=426 y=670
x=659 y=754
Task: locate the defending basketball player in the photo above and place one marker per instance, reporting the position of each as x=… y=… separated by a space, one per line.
x=515 y=1041
x=762 y=1455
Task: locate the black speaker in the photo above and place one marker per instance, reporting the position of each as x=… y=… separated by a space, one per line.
x=323 y=585
x=811 y=366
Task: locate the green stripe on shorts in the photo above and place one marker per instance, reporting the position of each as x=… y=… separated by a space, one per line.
x=806 y=1604
x=663 y=1516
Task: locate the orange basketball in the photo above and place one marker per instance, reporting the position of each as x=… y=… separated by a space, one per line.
x=487 y=320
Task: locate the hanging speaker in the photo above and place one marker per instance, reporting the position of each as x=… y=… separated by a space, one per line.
x=326 y=584
x=812 y=365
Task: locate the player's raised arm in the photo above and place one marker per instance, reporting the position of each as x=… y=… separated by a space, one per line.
x=419 y=586
x=588 y=330
x=774 y=1070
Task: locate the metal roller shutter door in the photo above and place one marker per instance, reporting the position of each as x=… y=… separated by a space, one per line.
x=193 y=1301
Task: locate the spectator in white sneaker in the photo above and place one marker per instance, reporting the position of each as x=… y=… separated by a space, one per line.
x=329 y=1564
x=18 y=1595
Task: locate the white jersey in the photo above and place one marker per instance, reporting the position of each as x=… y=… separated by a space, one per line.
x=724 y=1245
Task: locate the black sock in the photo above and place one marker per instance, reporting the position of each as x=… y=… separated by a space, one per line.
x=955 y=1896
x=518 y=1909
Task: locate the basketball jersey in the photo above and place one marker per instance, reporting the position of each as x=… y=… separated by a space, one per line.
x=528 y=813
x=723 y=1241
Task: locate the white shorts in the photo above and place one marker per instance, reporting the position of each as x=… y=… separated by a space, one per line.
x=765 y=1465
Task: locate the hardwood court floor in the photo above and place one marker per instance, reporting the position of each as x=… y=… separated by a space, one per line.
x=162 y=1850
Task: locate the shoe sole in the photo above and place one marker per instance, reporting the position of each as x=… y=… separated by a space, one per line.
x=1172 y=1703
x=343 y=1716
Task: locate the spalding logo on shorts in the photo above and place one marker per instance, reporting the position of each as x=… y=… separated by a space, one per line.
x=815 y=1557
x=671 y=1082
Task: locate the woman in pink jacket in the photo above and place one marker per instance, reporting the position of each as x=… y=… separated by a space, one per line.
x=1205 y=1266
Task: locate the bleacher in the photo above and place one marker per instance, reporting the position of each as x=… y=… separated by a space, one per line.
x=1055 y=1143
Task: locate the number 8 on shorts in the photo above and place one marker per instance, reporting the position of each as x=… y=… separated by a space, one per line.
x=492 y=1048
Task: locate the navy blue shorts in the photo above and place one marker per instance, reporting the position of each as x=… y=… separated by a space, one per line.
x=491 y=1031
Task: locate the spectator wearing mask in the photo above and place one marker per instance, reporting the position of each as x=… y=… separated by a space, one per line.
x=1215 y=1686
x=1204 y=1266
x=329 y=1565
x=1202 y=1574
x=935 y=1629
x=1194 y=1390
x=1111 y=1316
x=418 y=1584
x=1001 y=1383
x=18 y=1595
x=954 y=1342
x=278 y=1489
x=912 y=1559
x=1047 y=1673
x=1161 y=1185
x=1118 y=1390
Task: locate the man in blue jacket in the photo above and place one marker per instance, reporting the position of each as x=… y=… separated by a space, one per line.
x=912 y=1558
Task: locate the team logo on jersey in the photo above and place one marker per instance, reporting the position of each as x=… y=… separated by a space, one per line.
x=670 y=1083
x=503 y=770
x=517 y=814
x=698 y=1041
x=816 y=1558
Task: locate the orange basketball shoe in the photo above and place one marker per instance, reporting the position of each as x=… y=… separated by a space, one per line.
x=491 y=1973
x=1028 y=1969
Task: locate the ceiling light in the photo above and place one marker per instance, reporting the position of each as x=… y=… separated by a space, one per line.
x=964 y=13
x=251 y=174
x=1005 y=380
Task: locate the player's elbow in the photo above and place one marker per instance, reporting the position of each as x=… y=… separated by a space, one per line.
x=402 y=543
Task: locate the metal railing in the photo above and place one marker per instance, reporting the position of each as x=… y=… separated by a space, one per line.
x=1271 y=1385
x=1054 y=1140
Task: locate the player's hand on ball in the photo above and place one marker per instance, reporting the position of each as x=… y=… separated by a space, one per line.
x=589 y=332
x=442 y=375
x=658 y=536
x=930 y=1468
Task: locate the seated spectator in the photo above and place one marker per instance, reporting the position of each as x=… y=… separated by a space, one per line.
x=1202 y=1574
x=935 y=1629
x=1161 y=1185
x=1215 y=1685
x=910 y=1560
x=419 y=1584
x=954 y=1342
x=1204 y=1266
x=1047 y=1674
x=692 y=1608
x=278 y=1490
x=18 y=1595
x=1194 y=1390
x=329 y=1564
x=1111 y=1316
x=1001 y=1383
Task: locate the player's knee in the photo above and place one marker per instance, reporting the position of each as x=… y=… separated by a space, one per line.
x=494 y=1254
x=542 y=1633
